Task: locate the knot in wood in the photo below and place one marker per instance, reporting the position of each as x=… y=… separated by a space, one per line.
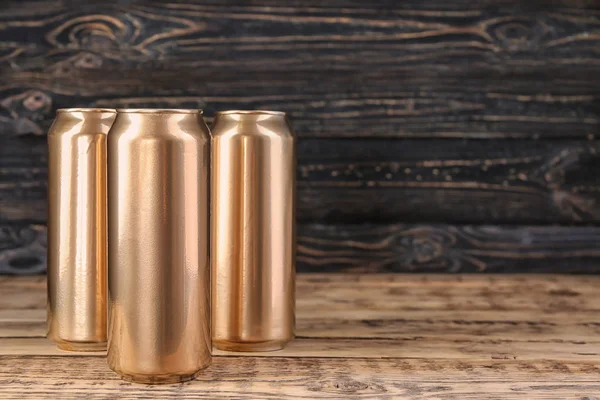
x=519 y=34
x=350 y=386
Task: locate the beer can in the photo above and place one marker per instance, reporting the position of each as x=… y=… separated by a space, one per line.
x=159 y=271
x=252 y=230
x=77 y=228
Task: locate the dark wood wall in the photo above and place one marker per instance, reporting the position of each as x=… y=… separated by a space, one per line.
x=434 y=135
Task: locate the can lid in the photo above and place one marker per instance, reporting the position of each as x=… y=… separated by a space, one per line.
x=86 y=110
x=159 y=111
x=250 y=112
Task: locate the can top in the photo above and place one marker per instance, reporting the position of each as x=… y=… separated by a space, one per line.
x=159 y=111
x=250 y=112
x=86 y=110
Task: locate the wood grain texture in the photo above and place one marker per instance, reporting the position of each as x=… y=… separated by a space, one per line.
x=354 y=181
x=425 y=112
x=379 y=336
x=23 y=249
x=492 y=68
x=474 y=181
x=388 y=248
x=372 y=347
x=541 y=308
x=307 y=378
x=447 y=248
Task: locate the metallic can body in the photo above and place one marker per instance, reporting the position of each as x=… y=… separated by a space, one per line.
x=159 y=271
x=252 y=231
x=77 y=229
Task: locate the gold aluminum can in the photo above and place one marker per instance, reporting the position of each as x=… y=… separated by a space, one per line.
x=77 y=228
x=252 y=231
x=159 y=271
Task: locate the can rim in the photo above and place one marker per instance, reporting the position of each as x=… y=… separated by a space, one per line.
x=86 y=110
x=159 y=111
x=250 y=112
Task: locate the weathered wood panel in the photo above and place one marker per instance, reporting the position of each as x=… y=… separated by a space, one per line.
x=449 y=181
x=492 y=68
x=383 y=336
x=389 y=248
x=308 y=378
x=23 y=179
x=444 y=248
x=23 y=249
x=443 y=71
x=469 y=181
x=541 y=308
x=406 y=347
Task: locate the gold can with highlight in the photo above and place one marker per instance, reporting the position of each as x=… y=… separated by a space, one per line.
x=253 y=231
x=77 y=228
x=159 y=272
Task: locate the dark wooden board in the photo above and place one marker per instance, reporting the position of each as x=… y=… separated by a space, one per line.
x=389 y=248
x=356 y=181
x=23 y=178
x=447 y=248
x=486 y=69
x=22 y=249
x=490 y=181
x=408 y=112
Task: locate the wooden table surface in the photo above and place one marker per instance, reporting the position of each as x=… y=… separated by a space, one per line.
x=358 y=336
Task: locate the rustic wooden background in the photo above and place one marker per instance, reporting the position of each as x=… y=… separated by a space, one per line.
x=434 y=135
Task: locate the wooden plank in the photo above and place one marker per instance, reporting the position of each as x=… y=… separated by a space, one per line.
x=540 y=293
x=22 y=249
x=495 y=309
x=402 y=325
x=472 y=348
x=388 y=248
x=491 y=68
x=17 y=326
x=326 y=294
x=431 y=294
x=342 y=181
x=390 y=324
x=447 y=248
x=470 y=181
x=435 y=326
x=551 y=294
x=309 y=378
x=23 y=179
